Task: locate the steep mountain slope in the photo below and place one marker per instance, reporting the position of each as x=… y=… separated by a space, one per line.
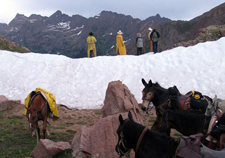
x=7 y=45
x=181 y=31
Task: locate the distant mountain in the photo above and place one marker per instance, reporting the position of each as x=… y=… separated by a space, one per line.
x=63 y=34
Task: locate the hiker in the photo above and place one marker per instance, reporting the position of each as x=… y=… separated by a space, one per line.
x=139 y=44
x=91 y=52
x=154 y=37
x=120 y=46
x=149 y=39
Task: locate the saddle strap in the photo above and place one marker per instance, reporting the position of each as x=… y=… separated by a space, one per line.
x=140 y=139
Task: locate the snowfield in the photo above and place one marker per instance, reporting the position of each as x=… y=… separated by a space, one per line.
x=82 y=83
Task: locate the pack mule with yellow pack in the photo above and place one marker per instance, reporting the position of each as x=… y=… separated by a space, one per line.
x=49 y=98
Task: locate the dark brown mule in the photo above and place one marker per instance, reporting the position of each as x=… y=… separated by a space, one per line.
x=172 y=99
x=38 y=110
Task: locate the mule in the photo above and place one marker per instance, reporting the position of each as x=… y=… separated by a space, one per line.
x=186 y=123
x=152 y=144
x=166 y=99
x=190 y=123
x=171 y=98
x=218 y=130
x=148 y=143
x=38 y=109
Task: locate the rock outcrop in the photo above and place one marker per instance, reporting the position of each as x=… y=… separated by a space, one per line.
x=118 y=99
x=100 y=139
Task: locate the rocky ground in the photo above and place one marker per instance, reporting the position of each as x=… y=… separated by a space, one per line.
x=71 y=119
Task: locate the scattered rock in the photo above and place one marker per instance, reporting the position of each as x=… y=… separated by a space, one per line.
x=3 y=103
x=48 y=148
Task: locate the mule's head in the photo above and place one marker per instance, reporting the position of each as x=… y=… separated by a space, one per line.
x=32 y=115
x=148 y=94
x=212 y=108
x=122 y=147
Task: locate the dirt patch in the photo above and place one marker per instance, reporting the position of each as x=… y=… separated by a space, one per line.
x=68 y=119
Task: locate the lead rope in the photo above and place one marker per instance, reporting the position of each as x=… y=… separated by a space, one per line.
x=131 y=99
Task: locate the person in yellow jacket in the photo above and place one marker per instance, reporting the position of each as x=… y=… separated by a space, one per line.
x=91 y=40
x=120 y=46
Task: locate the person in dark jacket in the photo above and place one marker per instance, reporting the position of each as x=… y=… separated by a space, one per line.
x=139 y=44
x=155 y=37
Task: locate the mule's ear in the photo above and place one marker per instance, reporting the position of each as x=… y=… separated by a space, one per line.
x=150 y=82
x=144 y=82
x=130 y=115
x=121 y=119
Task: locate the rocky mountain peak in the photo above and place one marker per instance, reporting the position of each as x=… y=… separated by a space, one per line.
x=18 y=21
x=58 y=16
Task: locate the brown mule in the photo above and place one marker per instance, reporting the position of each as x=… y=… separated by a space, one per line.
x=38 y=110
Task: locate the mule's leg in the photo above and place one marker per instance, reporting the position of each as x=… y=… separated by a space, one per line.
x=47 y=132
x=44 y=127
x=222 y=141
x=210 y=142
x=34 y=133
x=38 y=134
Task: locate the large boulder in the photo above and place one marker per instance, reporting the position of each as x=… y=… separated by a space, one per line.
x=48 y=148
x=3 y=103
x=118 y=99
x=98 y=140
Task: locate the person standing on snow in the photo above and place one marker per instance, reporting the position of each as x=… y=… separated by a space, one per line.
x=91 y=40
x=120 y=46
x=149 y=39
x=139 y=44
x=154 y=37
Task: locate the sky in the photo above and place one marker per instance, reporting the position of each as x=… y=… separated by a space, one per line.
x=82 y=83
x=142 y=9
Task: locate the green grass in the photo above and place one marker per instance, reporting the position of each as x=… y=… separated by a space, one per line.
x=4 y=45
x=81 y=123
x=16 y=140
x=70 y=123
x=151 y=120
x=71 y=131
x=98 y=112
x=177 y=134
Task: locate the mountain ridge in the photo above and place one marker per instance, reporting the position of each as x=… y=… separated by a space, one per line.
x=63 y=34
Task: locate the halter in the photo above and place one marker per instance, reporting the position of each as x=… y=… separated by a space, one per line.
x=121 y=142
x=149 y=101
